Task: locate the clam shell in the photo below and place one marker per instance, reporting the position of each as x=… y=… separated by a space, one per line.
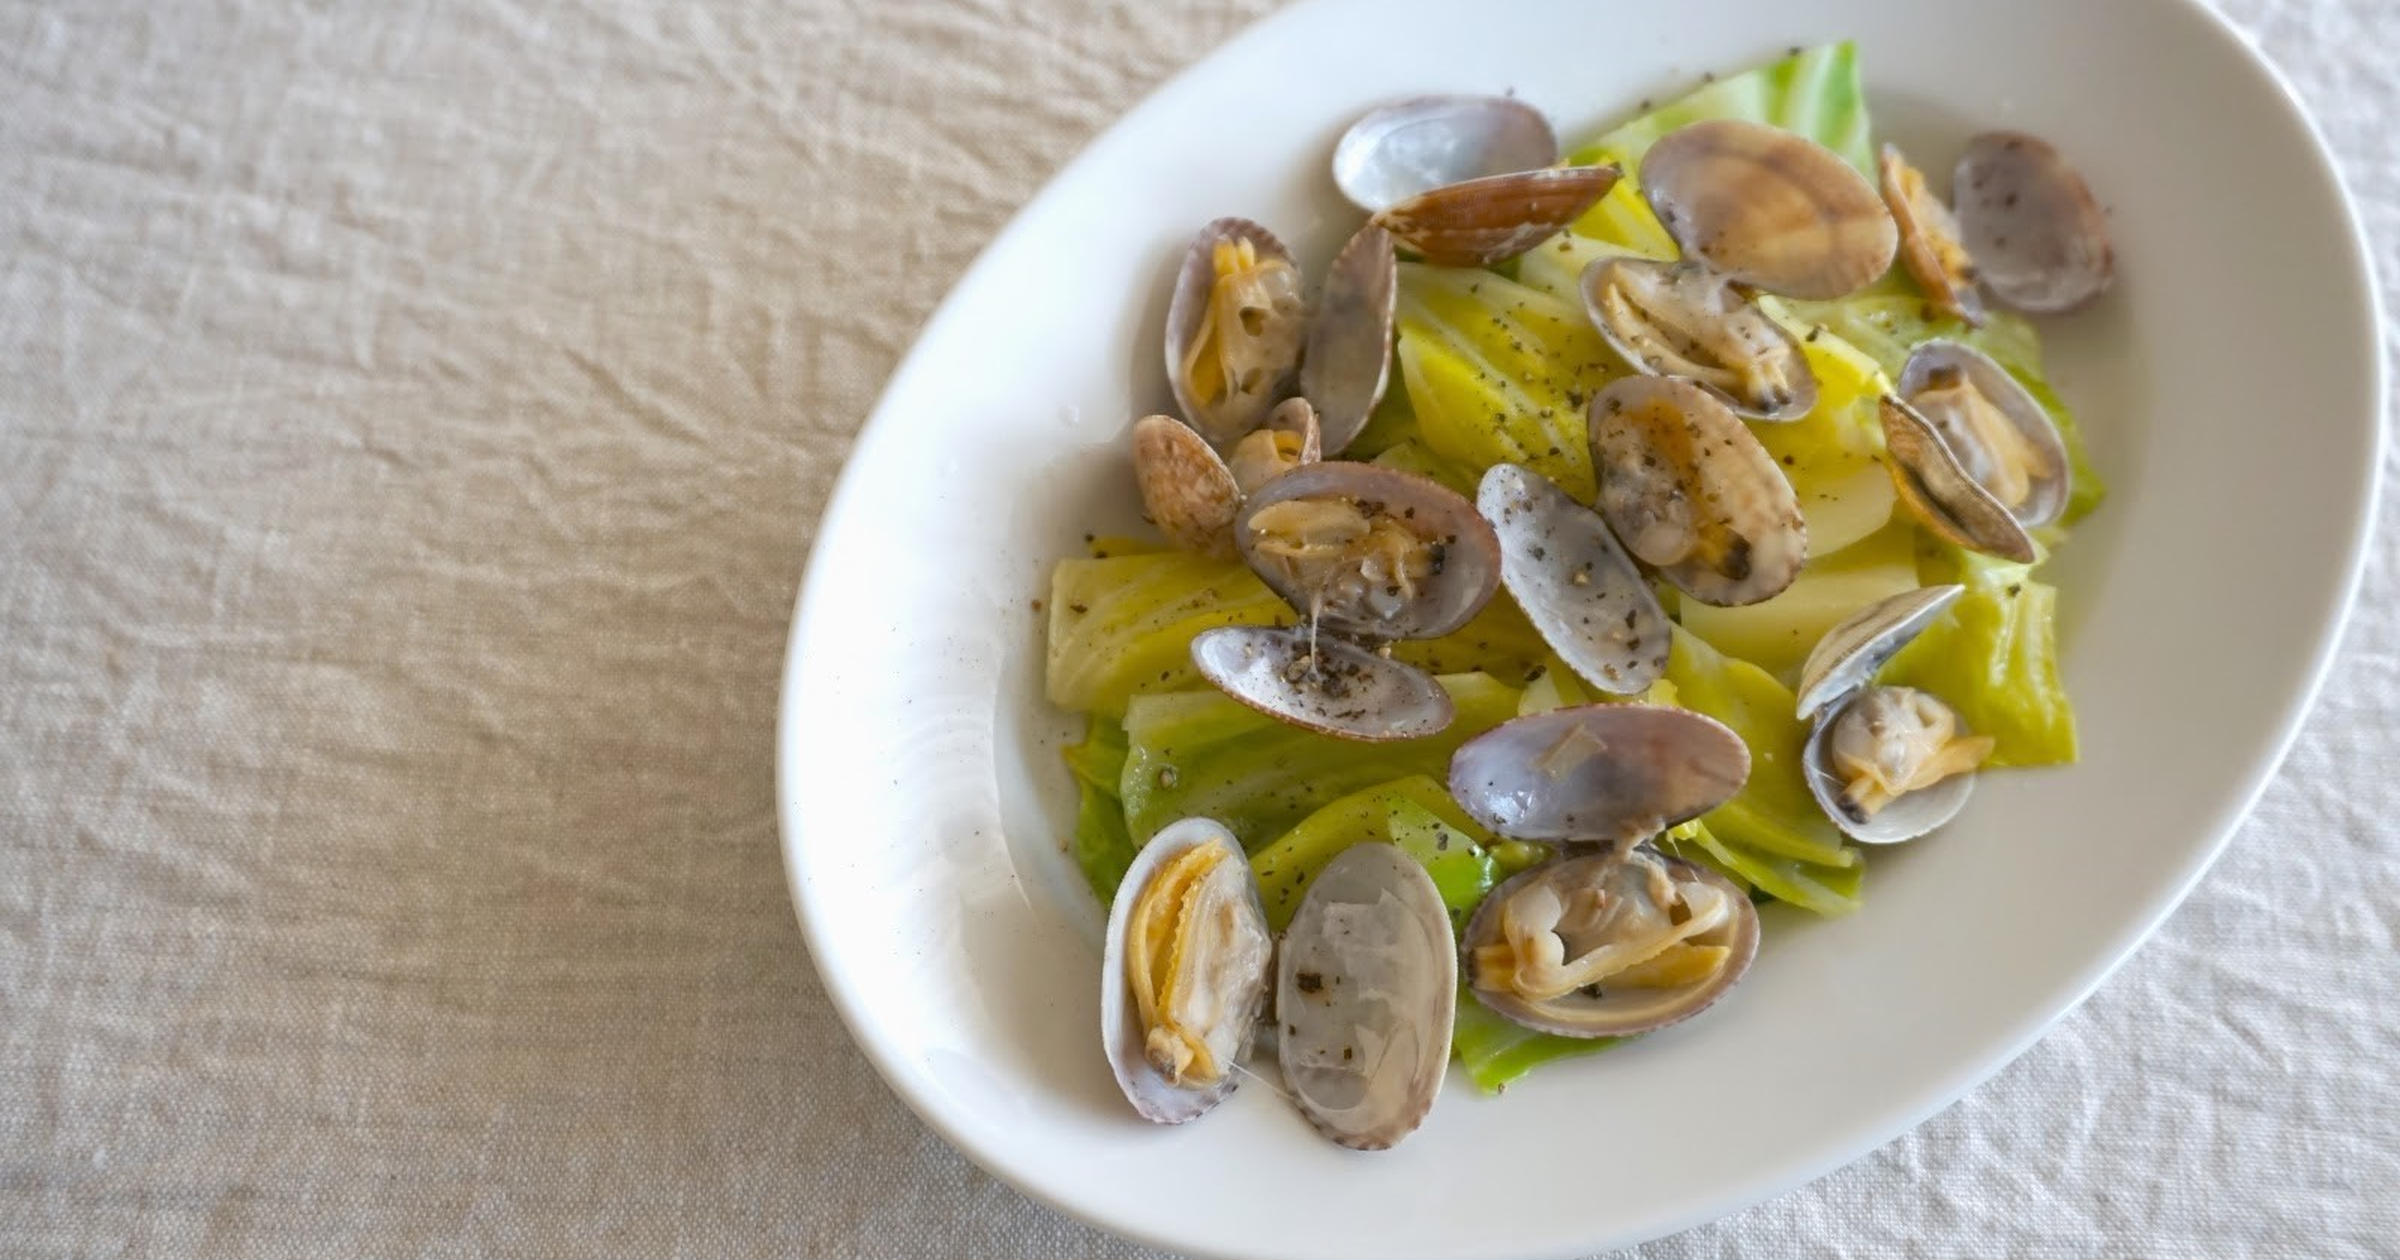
x=1463 y=582
x=1905 y=818
x=1187 y=490
x=2053 y=480
x=1408 y=147
x=1689 y=491
x=1237 y=412
x=1929 y=244
x=2039 y=239
x=1325 y=684
x=1770 y=208
x=1493 y=219
x=1626 y=1011
x=1939 y=490
x=1577 y=586
x=1604 y=773
x=1349 y=360
x=1863 y=642
x=1365 y=992
x=1622 y=294
x=1151 y=1093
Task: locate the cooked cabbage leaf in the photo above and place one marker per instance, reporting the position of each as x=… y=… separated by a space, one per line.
x=1815 y=92
x=1498 y=372
x=1100 y=845
x=1414 y=813
x=1994 y=658
x=1494 y=1051
x=1773 y=813
x=1125 y=624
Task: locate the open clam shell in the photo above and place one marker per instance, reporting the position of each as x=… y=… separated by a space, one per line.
x=1322 y=682
x=1929 y=244
x=1349 y=361
x=1686 y=319
x=1366 y=989
x=1577 y=586
x=1407 y=147
x=1691 y=493
x=1847 y=658
x=2039 y=238
x=1187 y=489
x=1371 y=551
x=1235 y=328
x=1993 y=426
x=1906 y=816
x=1602 y=773
x=1228 y=966
x=1637 y=928
x=1493 y=219
x=1770 y=208
x=1941 y=492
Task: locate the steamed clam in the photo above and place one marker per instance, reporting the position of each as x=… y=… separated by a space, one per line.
x=1691 y=493
x=2002 y=438
x=1574 y=582
x=1685 y=319
x=1322 y=682
x=1349 y=359
x=1609 y=945
x=1612 y=774
x=1493 y=219
x=2038 y=237
x=1370 y=551
x=1184 y=974
x=1235 y=328
x=1193 y=494
x=1366 y=988
x=1929 y=244
x=1769 y=208
x=1885 y=763
x=1942 y=493
x=1362 y=552
x=1408 y=147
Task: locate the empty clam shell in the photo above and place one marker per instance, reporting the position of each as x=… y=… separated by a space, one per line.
x=1365 y=992
x=1940 y=491
x=1604 y=773
x=1187 y=490
x=1889 y=738
x=1407 y=147
x=1672 y=939
x=1929 y=245
x=1349 y=359
x=1993 y=426
x=1290 y=438
x=2039 y=239
x=1577 y=586
x=1686 y=319
x=1197 y=1023
x=1322 y=682
x=1691 y=493
x=1770 y=208
x=1493 y=219
x=1371 y=551
x=1860 y=644
x=1235 y=328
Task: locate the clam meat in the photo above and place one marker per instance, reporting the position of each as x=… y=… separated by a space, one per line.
x=1686 y=319
x=1929 y=245
x=1892 y=763
x=1370 y=551
x=1235 y=328
x=1993 y=427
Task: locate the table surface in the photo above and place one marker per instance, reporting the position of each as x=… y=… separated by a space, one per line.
x=413 y=416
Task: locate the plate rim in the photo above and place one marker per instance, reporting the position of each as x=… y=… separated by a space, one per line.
x=1734 y=1195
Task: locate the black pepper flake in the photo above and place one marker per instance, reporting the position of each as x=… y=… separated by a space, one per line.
x=1079 y=609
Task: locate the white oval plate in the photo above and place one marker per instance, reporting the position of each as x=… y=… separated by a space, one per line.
x=2229 y=383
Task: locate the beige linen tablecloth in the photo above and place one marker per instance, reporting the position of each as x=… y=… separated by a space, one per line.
x=412 y=417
